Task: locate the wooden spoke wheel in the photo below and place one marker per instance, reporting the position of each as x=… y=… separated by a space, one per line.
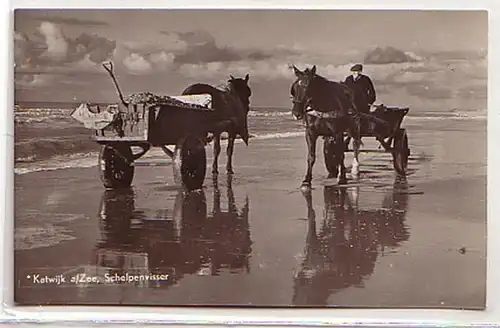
x=401 y=152
x=190 y=162
x=115 y=166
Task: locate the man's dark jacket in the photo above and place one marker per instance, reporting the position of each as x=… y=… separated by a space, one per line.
x=364 y=92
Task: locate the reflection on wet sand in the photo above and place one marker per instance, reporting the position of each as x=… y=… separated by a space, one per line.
x=344 y=251
x=187 y=240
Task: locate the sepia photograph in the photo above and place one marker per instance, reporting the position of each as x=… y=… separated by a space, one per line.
x=250 y=158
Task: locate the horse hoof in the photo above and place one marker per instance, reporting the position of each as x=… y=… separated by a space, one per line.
x=342 y=181
x=330 y=176
x=230 y=171
x=215 y=173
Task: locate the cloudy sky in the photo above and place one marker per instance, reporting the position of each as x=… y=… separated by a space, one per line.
x=58 y=53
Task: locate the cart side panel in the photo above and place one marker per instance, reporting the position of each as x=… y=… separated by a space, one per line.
x=131 y=124
x=135 y=123
x=168 y=124
x=392 y=116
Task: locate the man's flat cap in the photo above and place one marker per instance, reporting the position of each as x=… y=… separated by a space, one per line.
x=357 y=68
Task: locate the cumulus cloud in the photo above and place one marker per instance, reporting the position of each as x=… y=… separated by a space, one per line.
x=48 y=46
x=137 y=64
x=162 y=59
x=31 y=81
x=389 y=55
x=87 y=65
x=48 y=51
x=195 y=54
x=22 y=50
x=98 y=48
x=142 y=62
x=262 y=70
x=57 y=45
x=199 y=47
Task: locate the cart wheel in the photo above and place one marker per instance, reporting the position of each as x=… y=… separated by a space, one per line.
x=329 y=157
x=190 y=162
x=401 y=152
x=115 y=172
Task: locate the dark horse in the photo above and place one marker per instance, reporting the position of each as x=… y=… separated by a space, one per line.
x=327 y=109
x=231 y=105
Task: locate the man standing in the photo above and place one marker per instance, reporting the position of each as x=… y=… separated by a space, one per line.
x=364 y=95
x=362 y=86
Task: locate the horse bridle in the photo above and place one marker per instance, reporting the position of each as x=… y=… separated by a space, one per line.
x=304 y=102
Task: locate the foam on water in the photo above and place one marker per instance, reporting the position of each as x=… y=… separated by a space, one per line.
x=78 y=160
x=458 y=117
x=39 y=115
x=436 y=88
x=28 y=164
x=87 y=160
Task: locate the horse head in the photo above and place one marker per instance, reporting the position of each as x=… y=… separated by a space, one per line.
x=242 y=89
x=300 y=90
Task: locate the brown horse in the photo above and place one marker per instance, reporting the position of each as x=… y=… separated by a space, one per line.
x=327 y=109
x=231 y=104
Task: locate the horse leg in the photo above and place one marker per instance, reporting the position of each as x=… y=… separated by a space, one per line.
x=311 y=139
x=229 y=151
x=217 y=149
x=340 y=156
x=330 y=154
x=355 y=160
x=356 y=145
x=346 y=142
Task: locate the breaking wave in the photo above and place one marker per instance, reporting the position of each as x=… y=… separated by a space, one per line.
x=40 y=115
x=77 y=157
x=32 y=150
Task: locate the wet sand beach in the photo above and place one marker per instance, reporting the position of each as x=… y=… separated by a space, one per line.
x=256 y=240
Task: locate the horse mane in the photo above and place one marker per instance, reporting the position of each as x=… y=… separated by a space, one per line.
x=324 y=79
x=321 y=77
x=341 y=93
x=224 y=87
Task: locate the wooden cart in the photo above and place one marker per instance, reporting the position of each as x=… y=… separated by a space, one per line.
x=143 y=121
x=384 y=124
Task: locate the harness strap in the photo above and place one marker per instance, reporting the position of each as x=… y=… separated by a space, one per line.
x=330 y=114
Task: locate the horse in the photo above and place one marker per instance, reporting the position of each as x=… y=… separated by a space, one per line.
x=327 y=109
x=231 y=104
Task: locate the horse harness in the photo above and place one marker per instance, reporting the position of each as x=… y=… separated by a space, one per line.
x=331 y=114
x=326 y=115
